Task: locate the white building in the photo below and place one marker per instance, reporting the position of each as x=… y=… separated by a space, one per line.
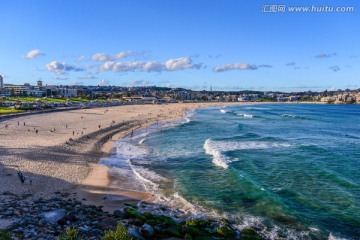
x=18 y=89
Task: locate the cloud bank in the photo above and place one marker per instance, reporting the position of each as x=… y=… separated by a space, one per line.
x=239 y=66
x=60 y=68
x=102 y=57
x=174 y=64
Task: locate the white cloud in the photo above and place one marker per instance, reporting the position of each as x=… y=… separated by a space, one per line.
x=234 y=66
x=240 y=66
x=170 y=65
x=102 y=82
x=60 y=68
x=180 y=64
x=102 y=57
x=33 y=54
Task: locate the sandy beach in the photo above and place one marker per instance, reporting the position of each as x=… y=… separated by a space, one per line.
x=59 y=151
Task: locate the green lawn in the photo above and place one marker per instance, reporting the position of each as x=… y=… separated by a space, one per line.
x=7 y=110
x=43 y=100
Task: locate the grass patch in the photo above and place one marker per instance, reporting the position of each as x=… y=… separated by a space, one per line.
x=8 y=110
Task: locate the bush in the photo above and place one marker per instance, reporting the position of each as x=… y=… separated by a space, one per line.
x=119 y=234
x=4 y=235
x=70 y=234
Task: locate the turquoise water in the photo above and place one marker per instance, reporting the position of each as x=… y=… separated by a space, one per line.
x=293 y=170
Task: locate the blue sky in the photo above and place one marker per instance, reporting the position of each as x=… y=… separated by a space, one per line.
x=229 y=45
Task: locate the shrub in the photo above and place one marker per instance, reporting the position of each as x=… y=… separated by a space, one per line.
x=70 y=234
x=4 y=235
x=119 y=234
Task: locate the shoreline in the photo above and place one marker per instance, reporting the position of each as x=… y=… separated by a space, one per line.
x=100 y=191
x=57 y=151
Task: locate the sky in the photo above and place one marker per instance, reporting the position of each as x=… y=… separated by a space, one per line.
x=227 y=45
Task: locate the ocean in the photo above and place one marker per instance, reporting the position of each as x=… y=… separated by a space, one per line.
x=291 y=170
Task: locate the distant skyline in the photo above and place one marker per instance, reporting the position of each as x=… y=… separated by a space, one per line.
x=229 y=45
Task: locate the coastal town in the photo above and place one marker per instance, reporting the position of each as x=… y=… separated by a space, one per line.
x=41 y=96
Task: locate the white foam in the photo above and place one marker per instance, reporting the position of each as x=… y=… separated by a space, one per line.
x=219 y=159
x=332 y=237
x=142 y=140
x=223 y=111
x=127 y=150
x=288 y=115
x=217 y=149
x=245 y=115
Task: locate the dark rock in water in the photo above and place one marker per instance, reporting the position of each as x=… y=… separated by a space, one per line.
x=149 y=215
x=135 y=233
x=193 y=231
x=152 y=222
x=226 y=232
x=167 y=221
x=147 y=230
x=138 y=222
x=210 y=231
x=131 y=213
x=174 y=230
x=200 y=223
x=54 y=216
x=249 y=234
x=119 y=213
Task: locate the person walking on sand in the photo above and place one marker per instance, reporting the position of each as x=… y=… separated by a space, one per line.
x=73 y=133
x=24 y=124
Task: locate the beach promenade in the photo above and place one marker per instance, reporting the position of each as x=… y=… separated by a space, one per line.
x=59 y=151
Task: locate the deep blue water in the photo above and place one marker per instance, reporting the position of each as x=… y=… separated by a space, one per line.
x=293 y=170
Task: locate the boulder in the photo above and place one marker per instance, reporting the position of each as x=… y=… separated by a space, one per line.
x=226 y=232
x=54 y=216
x=147 y=230
x=135 y=233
